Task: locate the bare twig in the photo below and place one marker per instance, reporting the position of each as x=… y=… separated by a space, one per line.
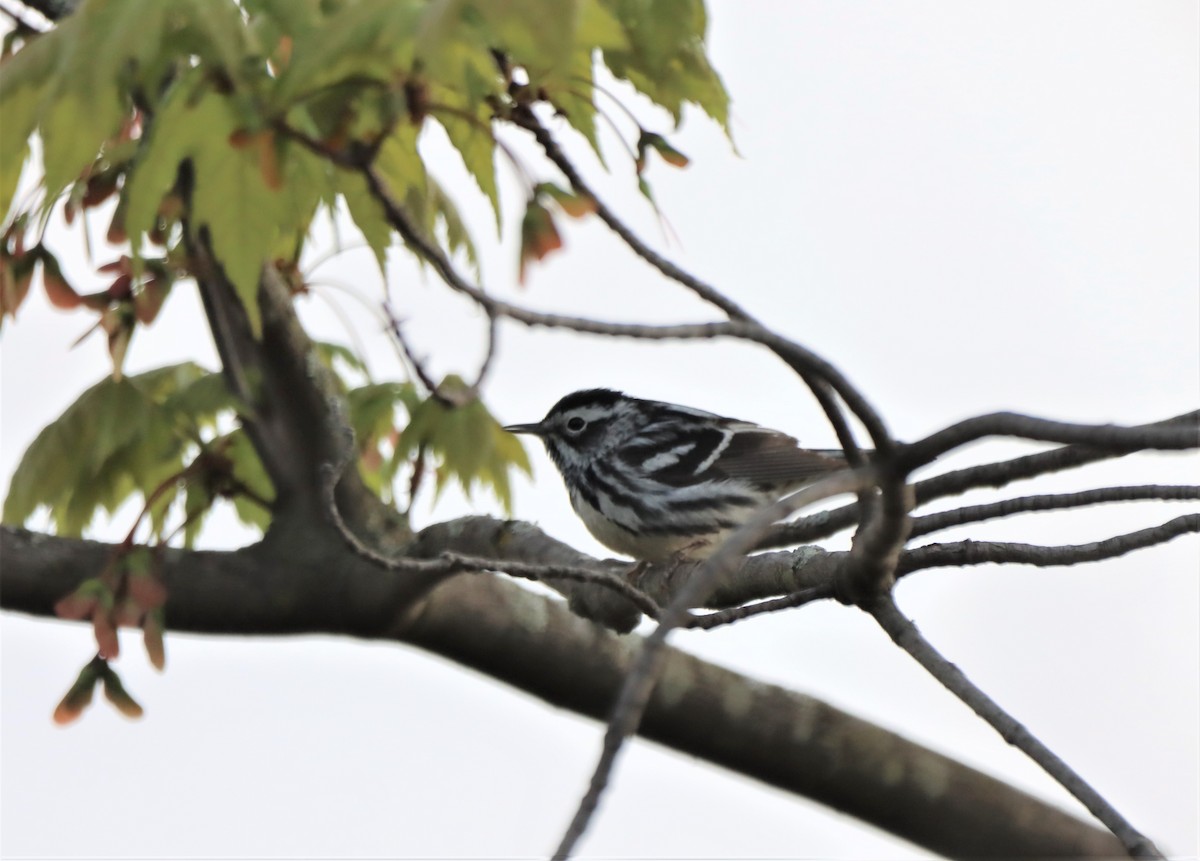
x=905 y=635
x=963 y=553
x=1111 y=437
x=418 y=367
x=527 y=120
x=708 y=621
x=1049 y=502
x=486 y=364
x=448 y=564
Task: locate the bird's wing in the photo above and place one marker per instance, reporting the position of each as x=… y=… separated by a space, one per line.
x=771 y=458
x=739 y=451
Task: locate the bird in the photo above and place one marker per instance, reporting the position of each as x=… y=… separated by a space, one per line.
x=662 y=482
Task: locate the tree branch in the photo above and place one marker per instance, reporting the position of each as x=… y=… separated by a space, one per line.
x=1110 y=437
x=526 y=119
x=905 y=635
x=291 y=409
x=1049 y=502
x=962 y=553
x=782 y=738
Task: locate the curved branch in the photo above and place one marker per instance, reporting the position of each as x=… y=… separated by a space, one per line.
x=785 y=739
x=962 y=553
x=526 y=119
x=1108 y=437
x=905 y=635
x=1049 y=502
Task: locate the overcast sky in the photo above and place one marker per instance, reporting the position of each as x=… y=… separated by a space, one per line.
x=966 y=207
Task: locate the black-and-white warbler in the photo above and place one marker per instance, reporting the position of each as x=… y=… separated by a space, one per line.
x=655 y=480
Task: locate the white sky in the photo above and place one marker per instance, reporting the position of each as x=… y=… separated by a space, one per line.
x=967 y=207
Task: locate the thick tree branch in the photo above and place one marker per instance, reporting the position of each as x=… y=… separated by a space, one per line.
x=292 y=410
x=782 y=738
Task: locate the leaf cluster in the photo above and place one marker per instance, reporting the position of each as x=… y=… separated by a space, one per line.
x=123 y=93
x=450 y=434
x=122 y=437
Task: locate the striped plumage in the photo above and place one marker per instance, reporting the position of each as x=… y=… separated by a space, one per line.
x=652 y=479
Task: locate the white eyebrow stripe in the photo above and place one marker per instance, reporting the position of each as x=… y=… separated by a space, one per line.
x=716 y=453
x=670 y=457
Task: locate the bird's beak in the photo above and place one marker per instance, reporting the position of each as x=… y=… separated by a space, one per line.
x=535 y=429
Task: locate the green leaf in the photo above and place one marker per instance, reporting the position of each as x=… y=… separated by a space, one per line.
x=403 y=171
x=26 y=79
x=12 y=163
x=368 y=216
x=469 y=129
x=248 y=469
x=368 y=40
x=372 y=407
x=665 y=59
x=248 y=220
x=466 y=441
x=575 y=99
x=197 y=503
x=441 y=210
x=341 y=360
x=600 y=28
x=119 y=438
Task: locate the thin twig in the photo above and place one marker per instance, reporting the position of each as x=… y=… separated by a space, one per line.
x=486 y=365
x=417 y=366
x=962 y=553
x=1111 y=437
x=528 y=121
x=905 y=635
x=453 y=563
x=708 y=621
x=1049 y=502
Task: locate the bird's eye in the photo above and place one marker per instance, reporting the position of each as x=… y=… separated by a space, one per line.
x=575 y=424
